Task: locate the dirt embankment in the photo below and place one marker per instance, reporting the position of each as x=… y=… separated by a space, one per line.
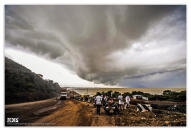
x=77 y=113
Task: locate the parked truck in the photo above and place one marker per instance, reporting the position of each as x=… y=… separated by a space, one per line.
x=63 y=95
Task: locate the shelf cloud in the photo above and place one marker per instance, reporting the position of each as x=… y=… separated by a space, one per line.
x=102 y=43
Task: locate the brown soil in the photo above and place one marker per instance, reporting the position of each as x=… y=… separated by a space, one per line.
x=77 y=113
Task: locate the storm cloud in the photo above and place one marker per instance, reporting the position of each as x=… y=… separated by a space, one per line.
x=102 y=43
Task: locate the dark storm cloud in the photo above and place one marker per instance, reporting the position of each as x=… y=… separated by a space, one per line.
x=102 y=43
x=158 y=80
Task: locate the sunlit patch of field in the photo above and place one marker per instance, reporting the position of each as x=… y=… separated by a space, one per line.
x=92 y=91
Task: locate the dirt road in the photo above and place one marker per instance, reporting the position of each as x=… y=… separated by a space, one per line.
x=78 y=113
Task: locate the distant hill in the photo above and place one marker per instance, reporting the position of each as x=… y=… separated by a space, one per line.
x=23 y=85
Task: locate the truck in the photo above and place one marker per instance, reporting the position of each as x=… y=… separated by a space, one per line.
x=63 y=95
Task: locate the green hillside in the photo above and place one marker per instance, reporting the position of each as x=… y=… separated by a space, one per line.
x=23 y=85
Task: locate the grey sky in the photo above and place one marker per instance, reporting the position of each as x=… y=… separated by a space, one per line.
x=110 y=44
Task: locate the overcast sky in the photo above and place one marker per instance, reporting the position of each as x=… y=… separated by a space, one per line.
x=127 y=46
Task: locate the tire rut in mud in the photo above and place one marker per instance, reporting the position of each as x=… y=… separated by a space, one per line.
x=84 y=117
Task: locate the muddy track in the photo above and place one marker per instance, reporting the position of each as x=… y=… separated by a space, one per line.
x=84 y=118
x=78 y=113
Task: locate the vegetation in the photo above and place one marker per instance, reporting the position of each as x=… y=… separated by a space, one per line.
x=23 y=85
x=166 y=96
x=170 y=96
